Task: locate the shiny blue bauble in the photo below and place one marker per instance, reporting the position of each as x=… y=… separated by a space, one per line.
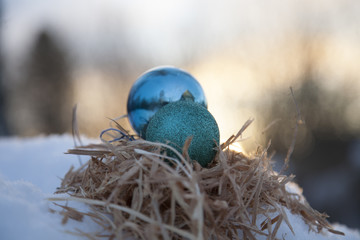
x=156 y=88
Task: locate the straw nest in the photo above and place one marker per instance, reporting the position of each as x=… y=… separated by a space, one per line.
x=134 y=194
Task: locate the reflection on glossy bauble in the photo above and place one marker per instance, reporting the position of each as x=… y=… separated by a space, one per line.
x=156 y=88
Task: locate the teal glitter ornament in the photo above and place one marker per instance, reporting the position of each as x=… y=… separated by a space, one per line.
x=177 y=121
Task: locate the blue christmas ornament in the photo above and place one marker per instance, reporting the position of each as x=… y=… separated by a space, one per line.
x=156 y=88
x=177 y=121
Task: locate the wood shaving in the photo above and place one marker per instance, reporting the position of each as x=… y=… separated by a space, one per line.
x=137 y=192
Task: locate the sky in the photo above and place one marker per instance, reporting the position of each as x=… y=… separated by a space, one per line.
x=250 y=47
x=168 y=29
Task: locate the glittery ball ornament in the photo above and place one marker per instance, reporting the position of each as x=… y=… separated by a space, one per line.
x=156 y=88
x=177 y=121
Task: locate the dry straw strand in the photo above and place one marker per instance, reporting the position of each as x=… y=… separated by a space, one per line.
x=136 y=191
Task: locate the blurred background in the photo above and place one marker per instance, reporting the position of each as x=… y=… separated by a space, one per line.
x=246 y=54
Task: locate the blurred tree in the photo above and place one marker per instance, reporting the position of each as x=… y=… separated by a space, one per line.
x=47 y=87
x=3 y=124
x=323 y=143
x=321 y=110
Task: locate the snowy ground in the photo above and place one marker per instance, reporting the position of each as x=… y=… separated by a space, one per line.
x=30 y=171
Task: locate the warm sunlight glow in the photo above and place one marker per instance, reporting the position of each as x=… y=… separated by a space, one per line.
x=236 y=146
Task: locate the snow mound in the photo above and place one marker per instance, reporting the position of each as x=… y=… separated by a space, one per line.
x=30 y=172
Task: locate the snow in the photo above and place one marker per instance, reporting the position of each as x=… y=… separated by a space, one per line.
x=24 y=213
x=302 y=230
x=30 y=171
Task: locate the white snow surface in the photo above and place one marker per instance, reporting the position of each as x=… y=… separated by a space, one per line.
x=30 y=171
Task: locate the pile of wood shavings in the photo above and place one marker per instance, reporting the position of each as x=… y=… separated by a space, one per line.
x=134 y=194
